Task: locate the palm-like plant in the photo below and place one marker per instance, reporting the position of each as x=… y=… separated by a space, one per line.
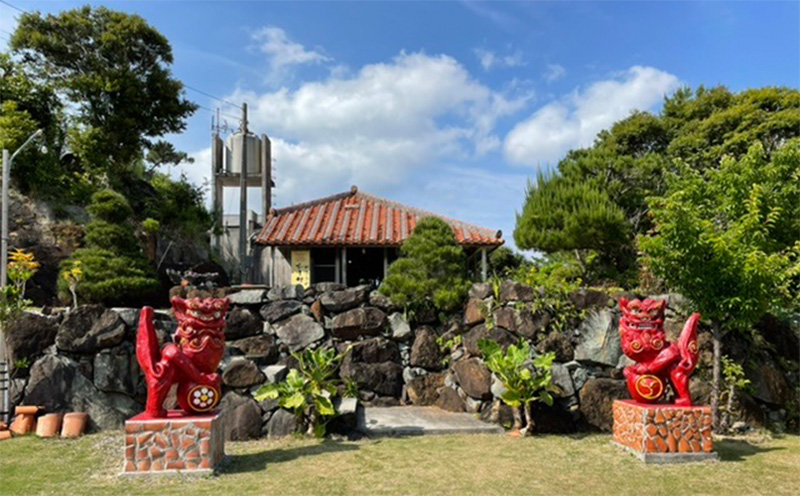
x=525 y=380
x=308 y=390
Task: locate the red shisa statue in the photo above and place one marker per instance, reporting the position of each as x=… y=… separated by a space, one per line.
x=191 y=361
x=657 y=360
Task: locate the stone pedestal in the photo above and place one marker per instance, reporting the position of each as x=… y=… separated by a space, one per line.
x=661 y=433
x=179 y=443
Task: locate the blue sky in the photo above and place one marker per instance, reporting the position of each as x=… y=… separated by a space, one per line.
x=448 y=106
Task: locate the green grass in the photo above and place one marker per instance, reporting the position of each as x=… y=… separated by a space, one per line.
x=459 y=464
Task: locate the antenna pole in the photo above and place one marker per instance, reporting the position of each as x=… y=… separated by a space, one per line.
x=243 y=224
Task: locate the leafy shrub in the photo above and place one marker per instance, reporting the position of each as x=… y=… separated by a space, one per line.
x=431 y=270
x=114 y=270
x=526 y=381
x=308 y=389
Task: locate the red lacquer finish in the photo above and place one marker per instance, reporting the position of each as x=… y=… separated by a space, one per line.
x=190 y=362
x=658 y=361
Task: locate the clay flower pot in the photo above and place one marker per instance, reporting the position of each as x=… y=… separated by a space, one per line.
x=49 y=425
x=25 y=421
x=74 y=424
x=5 y=435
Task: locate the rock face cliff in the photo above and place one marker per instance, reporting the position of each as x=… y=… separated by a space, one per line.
x=51 y=234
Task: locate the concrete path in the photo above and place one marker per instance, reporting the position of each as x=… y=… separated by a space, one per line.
x=421 y=420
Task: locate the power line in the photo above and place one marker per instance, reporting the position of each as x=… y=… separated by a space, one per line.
x=212 y=96
x=13 y=6
x=221 y=113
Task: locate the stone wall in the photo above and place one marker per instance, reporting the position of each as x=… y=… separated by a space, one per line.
x=85 y=360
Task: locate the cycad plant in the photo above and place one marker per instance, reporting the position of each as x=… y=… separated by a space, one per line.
x=525 y=380
x=308 y=390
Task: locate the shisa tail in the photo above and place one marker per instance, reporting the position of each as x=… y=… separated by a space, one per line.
x=687 y=343
x=147 y=347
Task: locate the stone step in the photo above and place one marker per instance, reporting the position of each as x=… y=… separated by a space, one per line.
x=420 y=421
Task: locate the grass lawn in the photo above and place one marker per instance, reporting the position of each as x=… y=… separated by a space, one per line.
x=458 y=464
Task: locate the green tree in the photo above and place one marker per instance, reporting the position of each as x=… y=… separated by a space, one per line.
x=114 y=69
x=560 y=215
x=728 y=239
x=431 y=270
x=114 y=269
x=629 y=162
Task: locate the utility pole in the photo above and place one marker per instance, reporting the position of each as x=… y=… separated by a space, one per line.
x=243 y=238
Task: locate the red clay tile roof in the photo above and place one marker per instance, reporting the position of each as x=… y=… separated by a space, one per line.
x=355 y=218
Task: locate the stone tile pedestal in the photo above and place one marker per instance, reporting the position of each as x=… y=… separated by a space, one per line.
x=662 y=433
x=192 y=444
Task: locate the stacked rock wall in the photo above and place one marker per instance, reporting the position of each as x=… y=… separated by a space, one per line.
x=85 y=360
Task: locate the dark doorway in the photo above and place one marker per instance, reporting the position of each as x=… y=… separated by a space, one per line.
x=364 y=265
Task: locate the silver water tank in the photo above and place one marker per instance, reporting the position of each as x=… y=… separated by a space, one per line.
x=233 y=154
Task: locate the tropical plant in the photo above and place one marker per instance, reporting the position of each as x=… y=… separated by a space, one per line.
x=729 y=240
x=430 y=274
x=309 y=389
x=525 y=380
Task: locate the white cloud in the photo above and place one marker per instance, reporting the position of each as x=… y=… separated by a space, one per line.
x=554 y=72
x=490 y=60
x=284 y=52
x=574 y=122
x=377 y=127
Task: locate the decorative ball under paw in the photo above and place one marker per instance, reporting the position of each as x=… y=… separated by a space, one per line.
x=198 y=398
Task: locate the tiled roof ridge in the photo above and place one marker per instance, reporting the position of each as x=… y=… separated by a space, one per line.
x=355 y=191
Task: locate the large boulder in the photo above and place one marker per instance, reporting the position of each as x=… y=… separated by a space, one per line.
x=562 y=380
x=282 y=423
x=597 y=398
x=374 y=365
x=522 y=322
x=375 y=350
x=481 y=290
x=424 y=390
x=339 y=301
x=29 y=335
x=90 y=328
x=262 y=348
x=425 y=351
x=242 y=322
x=57 y=384
x=241 y=417
x=770 y=385
x=380 y=300
x=497 y=334
x=275 y=311
x=291 y=292
x=299 y=331
x=588 y=298
x=449 y=400
x=241 y=372
x=599 y=340
x=515 y=291
x=474 y=312
x=474 y=378
x=401 y=330
x=352 y=324
x=558 y=343
x=248 y=297
x=116 y=370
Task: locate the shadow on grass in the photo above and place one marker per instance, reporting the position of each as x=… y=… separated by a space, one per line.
x=254 y=462
x=736 y=450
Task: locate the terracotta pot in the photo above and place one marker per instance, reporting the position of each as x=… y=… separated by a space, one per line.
x=3 y=426
x=5 y=435
x=23 y=424
x=26 y=409
x=49 y=425
x=74 y=424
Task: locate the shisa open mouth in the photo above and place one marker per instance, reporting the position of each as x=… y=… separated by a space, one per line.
x=643 y=325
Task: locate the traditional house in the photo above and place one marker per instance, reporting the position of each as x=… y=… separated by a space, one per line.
x=350 y=238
